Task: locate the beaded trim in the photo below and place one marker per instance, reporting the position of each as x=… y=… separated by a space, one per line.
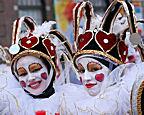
x=141 y=88
x=33 y=53
x=92 y=52
x=136 y=94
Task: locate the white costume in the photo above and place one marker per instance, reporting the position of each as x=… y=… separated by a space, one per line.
x=107 y=93
x=34 y=67
x=114 y=97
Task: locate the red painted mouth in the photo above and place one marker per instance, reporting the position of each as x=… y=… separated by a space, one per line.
x=90 y=85
x=35 y=84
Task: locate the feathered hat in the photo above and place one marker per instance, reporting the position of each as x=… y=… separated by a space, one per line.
x=101 y=43
x=36 y=41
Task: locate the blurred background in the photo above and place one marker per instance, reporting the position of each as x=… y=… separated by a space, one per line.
x=44 y=10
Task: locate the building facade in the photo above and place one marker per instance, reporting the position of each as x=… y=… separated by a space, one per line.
x=41 y=10
x=10 y=10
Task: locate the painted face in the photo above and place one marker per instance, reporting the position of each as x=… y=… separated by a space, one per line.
x=92 y=74
x=33 y=74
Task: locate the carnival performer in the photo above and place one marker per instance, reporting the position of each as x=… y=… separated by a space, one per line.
x=100 y=59
x=35 y=67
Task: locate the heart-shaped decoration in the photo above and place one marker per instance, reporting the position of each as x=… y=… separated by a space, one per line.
x=84 y=39
x=51 y=48
x=105 y=41
x=29 y=42
x=99 y=77
x=122 y=50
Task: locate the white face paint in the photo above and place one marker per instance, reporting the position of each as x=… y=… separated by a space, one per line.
x=92 y=74
x=33 y=74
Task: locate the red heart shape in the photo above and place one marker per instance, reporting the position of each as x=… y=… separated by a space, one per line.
x=44 y=75
x=99 y=77
x=84 y=39
x=123 y=50
x=105 y=41
x=51 y=49
x=29 y=42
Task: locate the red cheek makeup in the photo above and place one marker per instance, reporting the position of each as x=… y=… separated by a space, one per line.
x=23 y=84
x=44 y=75
x=99 y=77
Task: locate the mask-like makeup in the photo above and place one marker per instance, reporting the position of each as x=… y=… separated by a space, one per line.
x=33 y=74
x=92 y=74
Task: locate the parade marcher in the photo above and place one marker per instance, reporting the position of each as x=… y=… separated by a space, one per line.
x=35 y=67
x=100 y=59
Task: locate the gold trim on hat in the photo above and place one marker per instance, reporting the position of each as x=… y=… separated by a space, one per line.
x=33 y=53
x=139 y=94
x=97 y=52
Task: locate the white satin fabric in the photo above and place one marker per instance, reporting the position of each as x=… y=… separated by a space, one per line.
x=72 y=99
x=114 y=98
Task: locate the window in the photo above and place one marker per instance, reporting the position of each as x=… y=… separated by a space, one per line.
x=31 y=8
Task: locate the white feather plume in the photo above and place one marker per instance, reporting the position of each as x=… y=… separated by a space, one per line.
x=40 y=29
x=44 y=28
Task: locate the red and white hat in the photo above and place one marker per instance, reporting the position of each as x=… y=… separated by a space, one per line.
x=101 y=43
x=37 y=41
